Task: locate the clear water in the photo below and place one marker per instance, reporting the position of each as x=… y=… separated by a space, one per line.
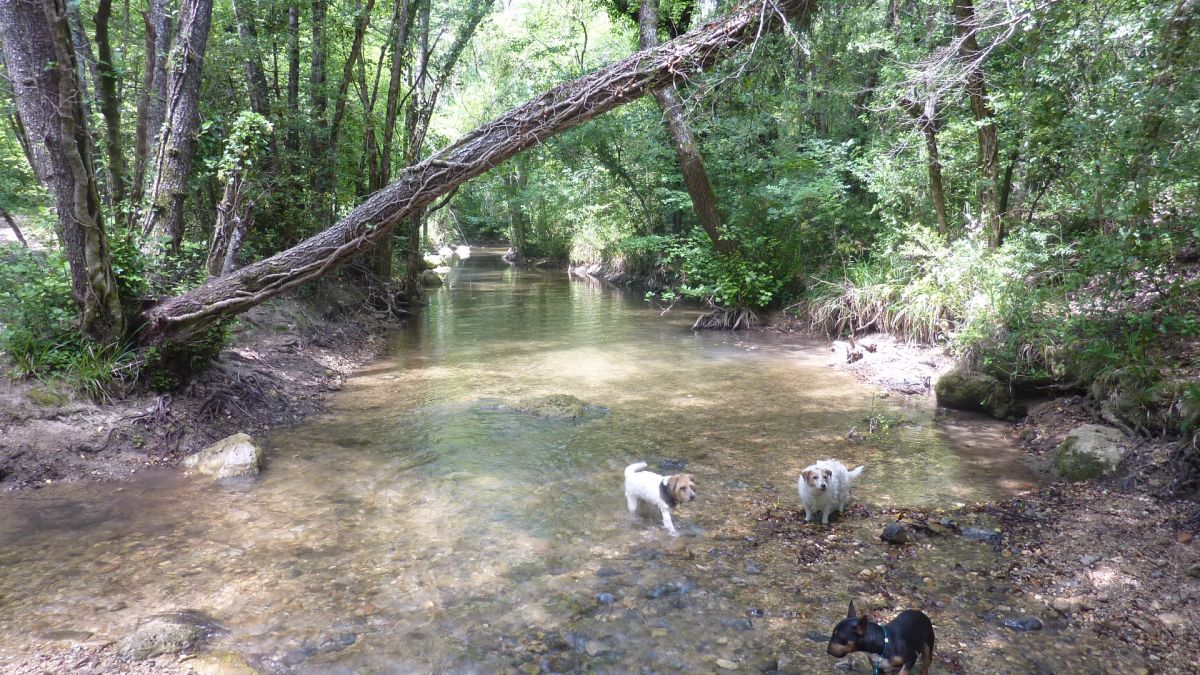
x=420 y=526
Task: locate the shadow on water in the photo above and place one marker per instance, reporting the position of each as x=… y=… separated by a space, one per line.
x=424 y=525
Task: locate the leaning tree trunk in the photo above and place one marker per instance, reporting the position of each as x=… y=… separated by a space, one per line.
x=41 y=62
x=985 y=122
x=687 y=150
x=173 y=162
x=519 y=129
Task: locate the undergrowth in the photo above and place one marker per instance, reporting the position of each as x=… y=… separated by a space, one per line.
x=1111 y=313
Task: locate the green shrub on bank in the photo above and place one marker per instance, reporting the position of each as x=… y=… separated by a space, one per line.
x=38 y=331
x=1103 y=312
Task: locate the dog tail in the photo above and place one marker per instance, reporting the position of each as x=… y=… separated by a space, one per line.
x=856 y=473
x=634 y=468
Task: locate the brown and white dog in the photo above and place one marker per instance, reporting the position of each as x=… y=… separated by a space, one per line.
x=825 y=488
x=665 y=492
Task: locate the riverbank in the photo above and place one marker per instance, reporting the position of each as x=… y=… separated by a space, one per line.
x=283 y=358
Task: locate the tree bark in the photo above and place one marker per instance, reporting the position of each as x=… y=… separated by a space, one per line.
x=521 y=128
x=687 y=150
x=173 y=161
x=41 y=62
x=110 y=105
x=985 y=123
x=256 y=78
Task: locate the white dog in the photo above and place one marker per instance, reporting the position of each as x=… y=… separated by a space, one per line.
x=825 y=487
x=664 y=492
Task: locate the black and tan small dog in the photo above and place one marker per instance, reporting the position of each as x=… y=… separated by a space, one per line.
x=898 y=644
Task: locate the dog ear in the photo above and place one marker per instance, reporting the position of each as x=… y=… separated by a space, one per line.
x=691 y=480
x=851 y=614
x=827 y=472
x=807 y=474
x=860 y=628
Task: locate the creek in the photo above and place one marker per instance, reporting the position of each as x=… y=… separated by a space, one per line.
x=422 y=524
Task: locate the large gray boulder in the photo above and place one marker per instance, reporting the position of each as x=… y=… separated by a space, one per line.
x=231 y=457
x=964 y=389
x=1090 y=451
x=431 y=278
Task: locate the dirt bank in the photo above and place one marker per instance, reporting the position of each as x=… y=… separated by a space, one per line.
x=284 y=356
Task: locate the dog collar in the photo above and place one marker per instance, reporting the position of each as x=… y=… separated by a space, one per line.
x=666 y=495
x=875 y=666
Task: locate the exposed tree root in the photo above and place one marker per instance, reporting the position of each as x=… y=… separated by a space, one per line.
x=723 y=318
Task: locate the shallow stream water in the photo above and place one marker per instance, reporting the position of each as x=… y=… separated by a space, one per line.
x=424 y=525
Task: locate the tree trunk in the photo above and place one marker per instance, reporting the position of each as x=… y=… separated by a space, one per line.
x=110 y=105
x=41 y=62
x=339 y=105
x=985 y=123
x=12 y=224
x=256 y=79
x=173 y=162
x=926 y=117
x=152 y=101
x=322 y=173
x=687 y=150
x=523 y=127
x=402 y=17
x=293 y=83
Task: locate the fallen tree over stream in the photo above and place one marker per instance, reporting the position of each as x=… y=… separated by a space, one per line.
x=519 y=129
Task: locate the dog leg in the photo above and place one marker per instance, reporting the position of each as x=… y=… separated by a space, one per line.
x=666 y=514
x=631 y=502
x=927 y=657
x=825 y=515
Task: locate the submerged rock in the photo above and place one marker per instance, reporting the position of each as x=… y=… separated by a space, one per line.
x=167 y=634
x=1022 y=624
x=1090 y=451
x=221 y=663
x=231 y=457
x=965 y=389
x=563 y=406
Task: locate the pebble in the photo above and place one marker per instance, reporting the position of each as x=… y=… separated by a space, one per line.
x=751 y=568
x=1194 y=571
x=1183 y=537
x=605 y=598
x=1088 y=560
x=895 y=533
x=726 y=664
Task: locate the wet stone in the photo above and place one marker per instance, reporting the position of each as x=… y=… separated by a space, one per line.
x=605 y=598
x=1022 y=624
x=1088 y=560
x=609 y=572
x=671 y=588
x=672 y=464
x=752 y=568
x=981 y=534
x=895 y=533
x=756 y=612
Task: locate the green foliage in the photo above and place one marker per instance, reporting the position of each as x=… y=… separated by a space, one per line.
x=746 y=277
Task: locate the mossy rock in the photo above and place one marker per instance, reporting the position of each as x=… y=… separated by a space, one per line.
x=46 y=397
x=431 y=278
x=557 y=406
x=1090 y=451
x=965 y=389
